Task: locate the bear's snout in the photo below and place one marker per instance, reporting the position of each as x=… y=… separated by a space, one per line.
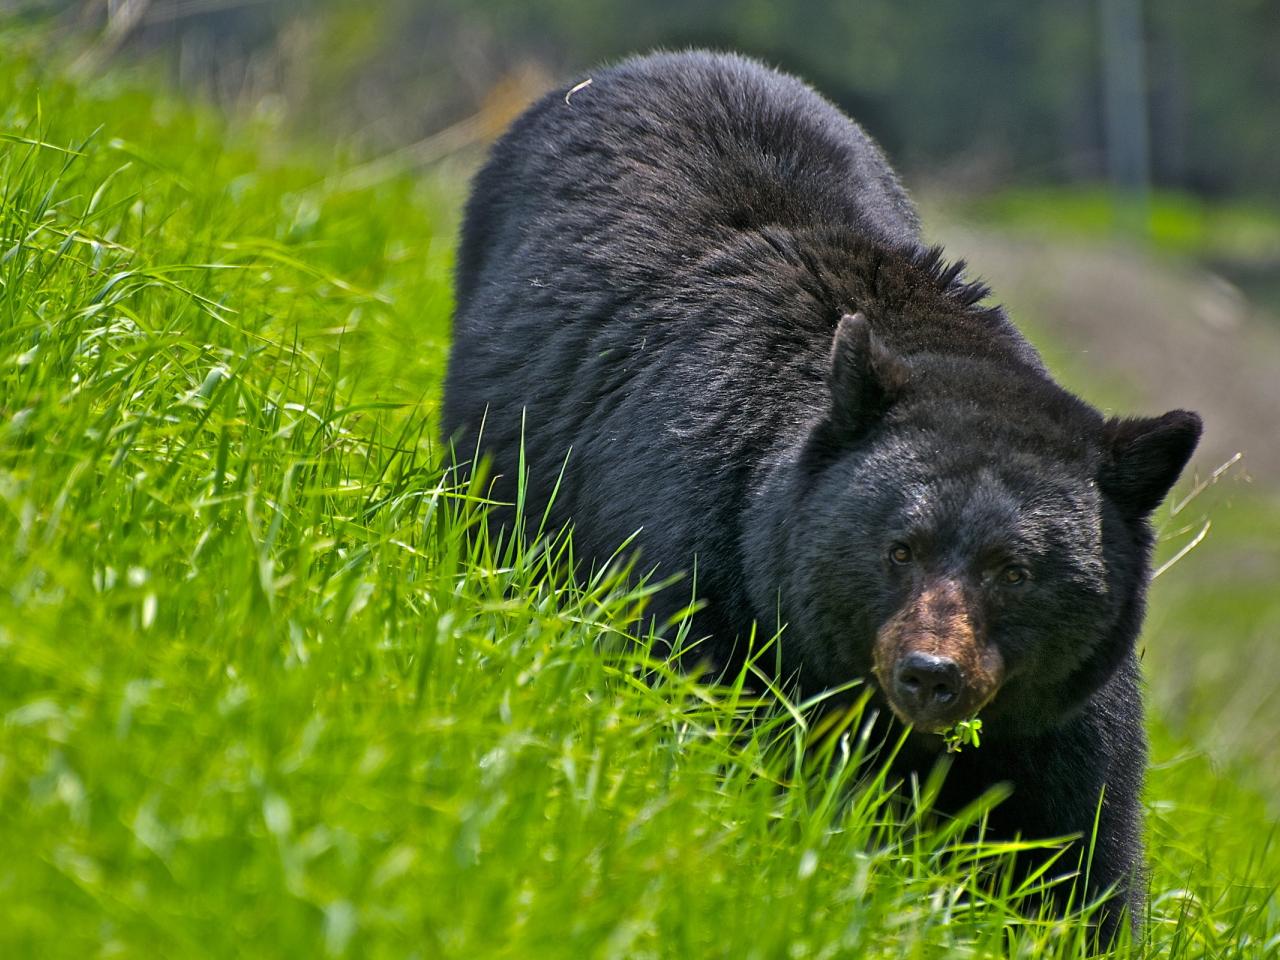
x=931 y=661
x=926 y=683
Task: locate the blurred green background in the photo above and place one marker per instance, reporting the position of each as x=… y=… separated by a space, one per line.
x=994 y=93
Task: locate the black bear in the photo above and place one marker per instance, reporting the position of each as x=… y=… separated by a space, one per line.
x=697 y=290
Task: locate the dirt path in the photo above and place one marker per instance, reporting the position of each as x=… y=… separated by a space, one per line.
x=1156 y=333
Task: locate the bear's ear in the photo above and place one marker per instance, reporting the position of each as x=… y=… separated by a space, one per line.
x=1145 y=455
x=863 y=378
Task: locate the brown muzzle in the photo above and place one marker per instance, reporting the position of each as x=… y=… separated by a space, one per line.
x=931 y=662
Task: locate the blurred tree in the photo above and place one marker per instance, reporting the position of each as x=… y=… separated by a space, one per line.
x=990 y=92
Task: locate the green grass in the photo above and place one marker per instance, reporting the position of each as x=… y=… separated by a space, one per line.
x=261 y=694
x=1176 y=223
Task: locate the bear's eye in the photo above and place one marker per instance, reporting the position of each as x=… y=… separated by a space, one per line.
x=900 y=553
x=1013 y=575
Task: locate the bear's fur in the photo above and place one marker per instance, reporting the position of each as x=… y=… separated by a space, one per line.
x=703 y=285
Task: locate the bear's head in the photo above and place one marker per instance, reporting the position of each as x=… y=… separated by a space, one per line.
x=964 y=534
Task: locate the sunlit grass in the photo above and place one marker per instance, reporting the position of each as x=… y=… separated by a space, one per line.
x=266 y=687
x=1173 y=222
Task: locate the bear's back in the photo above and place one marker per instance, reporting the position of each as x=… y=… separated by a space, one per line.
x=658 y=157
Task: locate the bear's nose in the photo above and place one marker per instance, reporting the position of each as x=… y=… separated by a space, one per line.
x=925 y=683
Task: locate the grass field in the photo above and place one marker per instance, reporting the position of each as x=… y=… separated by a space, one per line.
x=260 y=695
